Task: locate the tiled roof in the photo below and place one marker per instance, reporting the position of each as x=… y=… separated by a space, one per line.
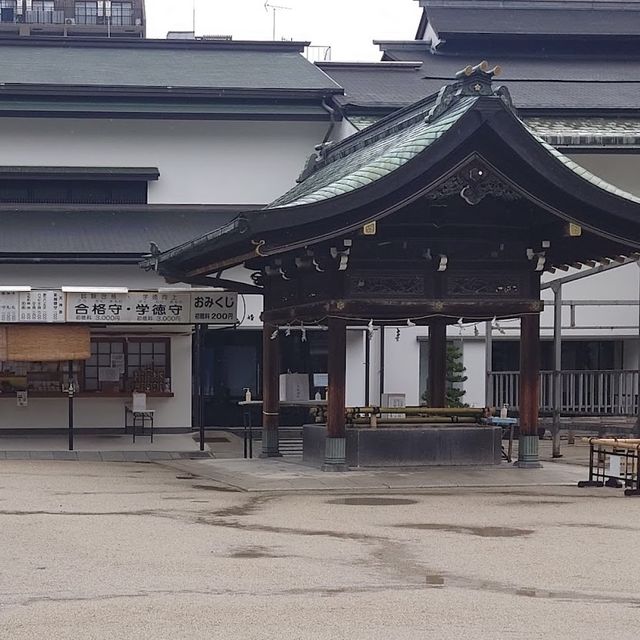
x=605 y=132
x=372 y=162
x=53 y=230
x=585 y=174
x=174 y=65
x=565 y=132
x=378 y=151
x=542 y=85
x=510 y=18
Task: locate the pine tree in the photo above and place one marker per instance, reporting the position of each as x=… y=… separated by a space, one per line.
x=455 y=376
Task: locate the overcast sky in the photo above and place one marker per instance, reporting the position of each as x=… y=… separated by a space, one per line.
x=348 y=26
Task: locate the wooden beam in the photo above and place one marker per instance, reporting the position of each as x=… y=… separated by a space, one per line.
x=270 y=391
x=337 y=378
x=395 y=312
x=529 y=374
x=213 y=267
x=437 y=363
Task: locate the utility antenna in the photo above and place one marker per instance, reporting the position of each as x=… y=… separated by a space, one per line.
x=194 y=18
x=275 y=8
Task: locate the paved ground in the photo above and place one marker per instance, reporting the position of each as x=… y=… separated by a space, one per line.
x=100 y=447
x=131 y=551
x=289 y=474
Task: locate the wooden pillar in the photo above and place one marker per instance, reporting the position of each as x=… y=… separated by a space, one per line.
x=529 y=391
x=270 y=391
x=437 y=363
x=335 y=448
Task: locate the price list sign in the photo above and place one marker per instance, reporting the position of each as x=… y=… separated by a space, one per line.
x=131 y=308
x=9 y=306
x=214 y=308
x=97 y=307
x=163 y=308
x=42 y=306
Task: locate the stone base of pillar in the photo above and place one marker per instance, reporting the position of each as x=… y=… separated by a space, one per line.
x=270 y=444
x=528 y=453
x=335 y=456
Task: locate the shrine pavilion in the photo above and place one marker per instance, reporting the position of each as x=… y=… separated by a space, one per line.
x=447 y=211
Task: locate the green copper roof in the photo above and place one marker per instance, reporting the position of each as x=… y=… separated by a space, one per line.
x=372 y=162
x=581 y=132
x=583 y=173
x=566 y=132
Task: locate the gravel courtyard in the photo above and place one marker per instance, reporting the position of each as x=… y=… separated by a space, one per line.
x=108 y=550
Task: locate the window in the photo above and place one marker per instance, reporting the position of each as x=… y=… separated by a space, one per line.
x=87 y=12
x=121 y=13
x=73 y=192
x=128 y=364
x=43 y=12
x=7 y=10
x=42 y=5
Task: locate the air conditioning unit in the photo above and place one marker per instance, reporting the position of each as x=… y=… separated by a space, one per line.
x=69 y=20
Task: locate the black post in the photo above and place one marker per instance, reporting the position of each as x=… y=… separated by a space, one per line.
x=198 y=399
x=367 y=368
x=70 y=391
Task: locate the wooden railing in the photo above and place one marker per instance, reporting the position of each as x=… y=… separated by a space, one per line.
x=583 y=392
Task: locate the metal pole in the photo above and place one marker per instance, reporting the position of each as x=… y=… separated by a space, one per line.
x=198 y=400
x=382 y=363
x=557 y=369
x=638 y=390
x=70 y=391
x=367 y=368
x=488 y=359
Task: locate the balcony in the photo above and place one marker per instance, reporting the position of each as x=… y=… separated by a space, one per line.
x=44 y=17
x=595 y=393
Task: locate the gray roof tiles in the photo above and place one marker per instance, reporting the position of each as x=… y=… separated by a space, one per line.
x=140 y=66
x=534 y=84
x=102 y=232
x=544 y=21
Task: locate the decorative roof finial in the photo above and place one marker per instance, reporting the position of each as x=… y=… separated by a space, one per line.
x=470 y=81
x=476 y=81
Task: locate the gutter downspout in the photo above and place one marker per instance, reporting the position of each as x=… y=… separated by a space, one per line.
x=332 y=114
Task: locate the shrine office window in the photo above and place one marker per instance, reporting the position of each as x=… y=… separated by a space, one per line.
x=124 y=365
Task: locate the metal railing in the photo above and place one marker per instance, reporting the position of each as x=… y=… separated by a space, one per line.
x=44 y=17
x=583 y=392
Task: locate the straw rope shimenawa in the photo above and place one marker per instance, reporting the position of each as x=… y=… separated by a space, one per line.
x=44 y=343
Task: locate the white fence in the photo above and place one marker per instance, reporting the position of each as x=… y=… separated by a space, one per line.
x=583 y=392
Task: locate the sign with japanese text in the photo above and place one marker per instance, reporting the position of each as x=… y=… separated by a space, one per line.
x=9 y=306
x=214 y=308
x=129 y=308
x=98 y=307
x=42 y=306
x=164 y=308
x=32 y=306
x=135 y=307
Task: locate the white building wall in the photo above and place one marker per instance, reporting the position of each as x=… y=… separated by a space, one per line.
x=255 y=162
x=473 y=354
x=96 y=411
x=356 y=367
x=200 y=161
x=402 y=362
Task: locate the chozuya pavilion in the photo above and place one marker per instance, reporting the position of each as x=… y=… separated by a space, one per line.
x=449 y=209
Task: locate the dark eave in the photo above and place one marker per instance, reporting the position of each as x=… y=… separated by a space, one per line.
x=488 y=132
x=80 y=42
x=79 y=173
x=101 y=234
